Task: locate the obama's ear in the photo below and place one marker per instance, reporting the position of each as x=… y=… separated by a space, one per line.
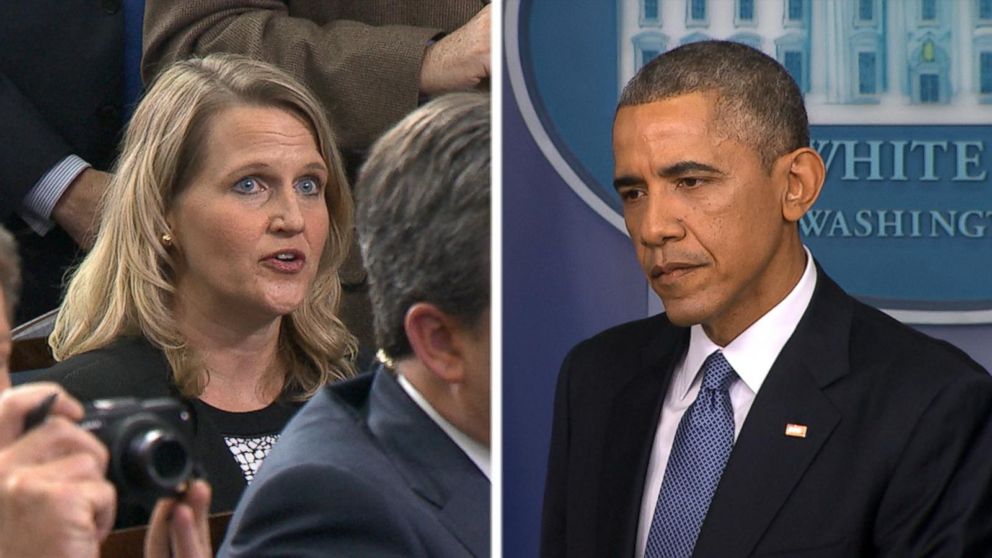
x=804 y=174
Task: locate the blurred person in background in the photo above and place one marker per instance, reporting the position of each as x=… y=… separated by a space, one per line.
x=62 y=108
x=369 y=63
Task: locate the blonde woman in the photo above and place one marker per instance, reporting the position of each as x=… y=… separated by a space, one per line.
x=214 y=274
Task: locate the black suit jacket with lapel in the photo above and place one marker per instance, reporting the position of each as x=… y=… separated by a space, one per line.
x=362 y=471
x=61 y=92
x=894 y=463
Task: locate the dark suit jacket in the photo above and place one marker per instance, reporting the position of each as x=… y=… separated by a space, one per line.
x=362 y=471
x=895 y=462
x=61 y=92
x=131 y=367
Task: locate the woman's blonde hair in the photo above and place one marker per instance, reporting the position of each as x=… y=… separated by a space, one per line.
x=124 y=286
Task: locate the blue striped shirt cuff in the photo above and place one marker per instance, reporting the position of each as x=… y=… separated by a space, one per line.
x=37 y=206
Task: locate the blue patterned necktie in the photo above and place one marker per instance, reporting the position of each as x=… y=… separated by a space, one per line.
x=699 y=453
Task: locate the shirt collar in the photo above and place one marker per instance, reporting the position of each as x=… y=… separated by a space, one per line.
x=754 y=351
x=478 y=453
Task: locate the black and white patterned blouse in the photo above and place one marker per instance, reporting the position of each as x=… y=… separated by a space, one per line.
x=250 y=435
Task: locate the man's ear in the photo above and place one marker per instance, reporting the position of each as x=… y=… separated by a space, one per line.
x=805 y=173
x=435 y=340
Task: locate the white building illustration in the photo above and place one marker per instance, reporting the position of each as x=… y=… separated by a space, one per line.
x=857 y=61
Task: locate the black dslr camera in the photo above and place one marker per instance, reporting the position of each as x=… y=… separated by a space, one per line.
x=150 y=443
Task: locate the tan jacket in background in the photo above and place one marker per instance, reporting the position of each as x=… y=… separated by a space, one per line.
x=361 y=57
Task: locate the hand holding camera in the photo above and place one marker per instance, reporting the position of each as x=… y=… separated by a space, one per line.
x=55 y=459
x=150 y=444
x=54 y=497
x=180 y=528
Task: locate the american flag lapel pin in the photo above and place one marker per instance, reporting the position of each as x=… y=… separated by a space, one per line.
x=795 y=430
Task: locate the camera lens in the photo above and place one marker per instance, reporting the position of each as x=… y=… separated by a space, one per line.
x=159 y=460
x=169 y=460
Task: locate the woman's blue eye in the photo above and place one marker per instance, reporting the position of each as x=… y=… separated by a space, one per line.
x=308 y=186
x=247 y=185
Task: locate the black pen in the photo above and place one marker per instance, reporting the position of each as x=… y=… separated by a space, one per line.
x=38 y=415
